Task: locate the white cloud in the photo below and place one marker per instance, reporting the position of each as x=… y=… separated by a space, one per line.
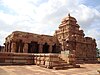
x=3 y=34
x=9 y=19
x=22 y=7
x=84 y=14
x=44 y=17
x=94 y=33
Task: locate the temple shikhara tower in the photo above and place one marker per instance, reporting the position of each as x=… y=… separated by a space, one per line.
x=67 y=38
x=71 y=38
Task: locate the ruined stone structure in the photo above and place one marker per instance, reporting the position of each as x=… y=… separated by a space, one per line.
x=67 y=38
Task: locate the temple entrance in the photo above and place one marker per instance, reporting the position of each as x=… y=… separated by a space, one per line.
x=33 y=47
x=45 y=48
x=54 y=48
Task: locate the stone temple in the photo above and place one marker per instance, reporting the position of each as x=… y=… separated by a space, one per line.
x=67 y=38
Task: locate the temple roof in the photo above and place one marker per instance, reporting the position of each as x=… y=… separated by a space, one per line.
x=68 y=18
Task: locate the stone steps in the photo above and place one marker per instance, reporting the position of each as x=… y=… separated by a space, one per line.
x=65 y=66
x=61 y=64
x=62 y=67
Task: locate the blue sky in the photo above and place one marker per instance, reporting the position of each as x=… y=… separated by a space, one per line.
x=44 y=16
x=92 y=3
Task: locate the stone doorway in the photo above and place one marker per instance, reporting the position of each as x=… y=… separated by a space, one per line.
x=45 y=48
x=33 y=47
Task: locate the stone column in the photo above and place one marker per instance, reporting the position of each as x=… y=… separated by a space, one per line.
x=25 y=48
x=8 y=47
x=40 y=48
x=50 y=48
x=13 y=47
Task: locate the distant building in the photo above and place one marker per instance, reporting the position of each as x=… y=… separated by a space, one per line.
x=67 y=38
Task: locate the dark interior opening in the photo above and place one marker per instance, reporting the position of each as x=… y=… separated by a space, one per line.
x=33 y=47
x=17 y=47
x=45 y=48
x=36 y=47
x=54 y=48
x=10 y=47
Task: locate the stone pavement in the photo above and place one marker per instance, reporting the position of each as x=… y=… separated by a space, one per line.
x=86 y=69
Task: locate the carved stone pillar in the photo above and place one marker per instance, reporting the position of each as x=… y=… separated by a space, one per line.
x=50 y=48
x=13 y=47
x=7 y=46
x=25 y=48
x=40 y=48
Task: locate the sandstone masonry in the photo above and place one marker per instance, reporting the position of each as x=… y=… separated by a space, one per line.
x=67 y=38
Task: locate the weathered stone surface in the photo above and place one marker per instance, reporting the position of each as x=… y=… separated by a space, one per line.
x=71 y=38
x=67 y=38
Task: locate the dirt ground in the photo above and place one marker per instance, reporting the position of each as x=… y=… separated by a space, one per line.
x=86 y=69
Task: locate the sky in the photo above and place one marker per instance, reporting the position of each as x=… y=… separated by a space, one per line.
x=44 y=16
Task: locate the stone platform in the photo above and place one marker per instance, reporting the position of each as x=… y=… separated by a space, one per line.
x=86 y=69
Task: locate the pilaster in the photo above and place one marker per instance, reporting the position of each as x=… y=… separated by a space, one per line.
x=25 y=48
x=13 y=47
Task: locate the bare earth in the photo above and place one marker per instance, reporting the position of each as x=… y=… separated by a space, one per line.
x=86 y=69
